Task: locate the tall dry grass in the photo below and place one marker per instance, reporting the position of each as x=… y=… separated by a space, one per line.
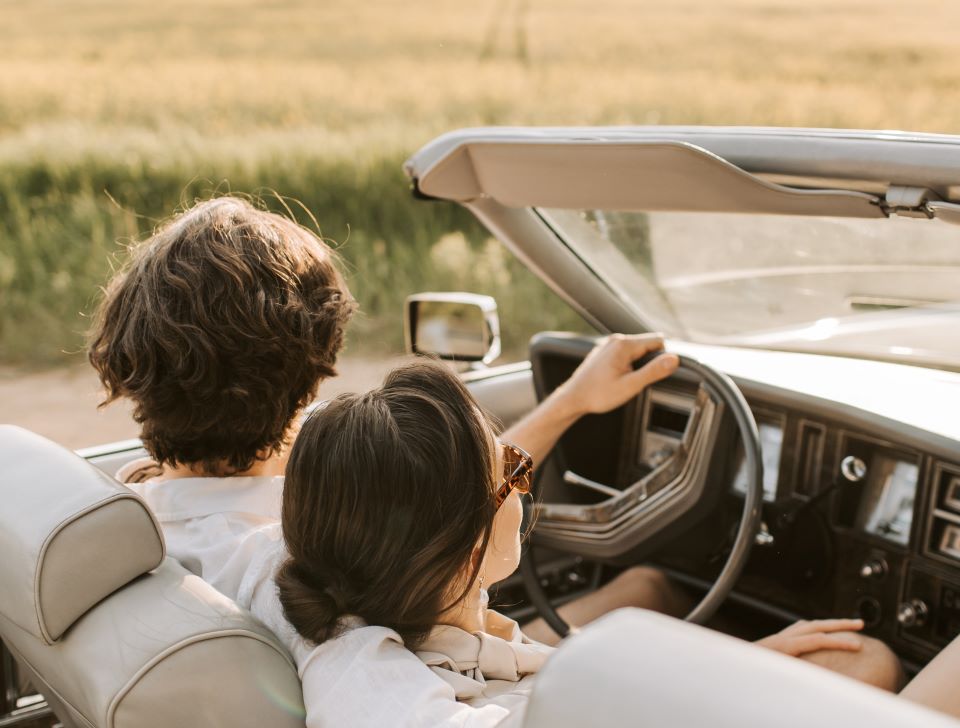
x=112 y=113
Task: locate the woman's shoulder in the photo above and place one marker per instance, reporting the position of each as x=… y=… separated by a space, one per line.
x=355 y=645
x=366 y=668
x=367 y=677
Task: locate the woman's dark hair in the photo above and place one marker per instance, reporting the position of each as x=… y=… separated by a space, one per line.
x=219 y=328
x=387 y=495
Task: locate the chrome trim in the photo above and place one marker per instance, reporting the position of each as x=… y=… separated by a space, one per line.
x=26 y=716
x=573 y=479
x=112 y=448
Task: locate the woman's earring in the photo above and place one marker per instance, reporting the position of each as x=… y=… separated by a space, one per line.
x=481 y=582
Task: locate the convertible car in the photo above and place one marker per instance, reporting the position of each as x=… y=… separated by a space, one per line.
x=804 y=462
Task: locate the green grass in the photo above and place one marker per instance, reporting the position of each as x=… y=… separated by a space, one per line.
x=113 y=113
x=66 y=222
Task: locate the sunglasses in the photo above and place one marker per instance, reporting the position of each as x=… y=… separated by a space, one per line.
x=517 y=472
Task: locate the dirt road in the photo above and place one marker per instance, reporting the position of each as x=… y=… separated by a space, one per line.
x=62 y=404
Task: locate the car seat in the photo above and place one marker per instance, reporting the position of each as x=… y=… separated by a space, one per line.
x=111 y=632
x=635 y=667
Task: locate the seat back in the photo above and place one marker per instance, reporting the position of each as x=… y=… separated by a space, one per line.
x=640 y=668
x=109 y=631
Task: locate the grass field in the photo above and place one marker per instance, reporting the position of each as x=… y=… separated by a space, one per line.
x=113 y=113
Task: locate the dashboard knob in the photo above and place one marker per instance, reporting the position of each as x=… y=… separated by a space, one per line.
x=763 y=537
x=912 y=613
x=853 y=468
x=873 y=569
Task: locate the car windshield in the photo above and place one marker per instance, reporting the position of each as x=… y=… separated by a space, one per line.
x=885 y=288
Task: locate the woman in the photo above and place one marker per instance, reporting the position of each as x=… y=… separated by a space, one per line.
x=400 y=507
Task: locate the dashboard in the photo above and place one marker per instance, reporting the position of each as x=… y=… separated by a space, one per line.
x=861 y=516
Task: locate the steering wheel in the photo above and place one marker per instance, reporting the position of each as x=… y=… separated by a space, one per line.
x=719 y=388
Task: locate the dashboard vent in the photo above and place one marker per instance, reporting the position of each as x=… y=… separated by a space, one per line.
x=944 y=539
x=809 y=459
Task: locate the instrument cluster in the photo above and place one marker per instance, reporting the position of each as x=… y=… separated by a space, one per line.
x=854 y=524
x=858 y=526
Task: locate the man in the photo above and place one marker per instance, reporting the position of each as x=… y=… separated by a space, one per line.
x=220 y=329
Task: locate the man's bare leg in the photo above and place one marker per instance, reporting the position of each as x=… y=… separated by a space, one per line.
x=639 y=586
x=874 y=663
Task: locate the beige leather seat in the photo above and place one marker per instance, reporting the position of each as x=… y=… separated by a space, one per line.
x=111 y=632
x=644 y=669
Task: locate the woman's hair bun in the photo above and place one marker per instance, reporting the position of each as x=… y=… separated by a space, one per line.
x=312 y=607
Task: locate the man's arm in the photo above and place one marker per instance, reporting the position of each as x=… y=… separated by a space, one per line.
x=604 y=380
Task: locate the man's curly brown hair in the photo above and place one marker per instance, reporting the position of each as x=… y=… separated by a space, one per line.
x=220 y=328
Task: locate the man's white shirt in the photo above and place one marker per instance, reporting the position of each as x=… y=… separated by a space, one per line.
x=227 y=531
x=208 y=522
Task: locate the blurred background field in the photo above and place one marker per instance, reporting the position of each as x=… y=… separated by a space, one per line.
x=114 y=113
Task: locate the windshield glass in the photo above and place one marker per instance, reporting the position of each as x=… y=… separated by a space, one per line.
x=873 y=288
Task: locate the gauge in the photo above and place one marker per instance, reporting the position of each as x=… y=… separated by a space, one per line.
x=950 y=541
x=952 y=498
x=886 y=509
x=771 y=443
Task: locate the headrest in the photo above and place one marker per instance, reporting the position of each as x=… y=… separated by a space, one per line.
x=69 y=535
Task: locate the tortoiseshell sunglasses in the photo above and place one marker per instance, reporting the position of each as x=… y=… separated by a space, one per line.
x=517 y=472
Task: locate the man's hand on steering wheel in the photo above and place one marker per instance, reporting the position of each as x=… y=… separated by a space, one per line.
x=606 y=378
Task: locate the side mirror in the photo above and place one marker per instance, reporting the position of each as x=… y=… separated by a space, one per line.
x=454 y=326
